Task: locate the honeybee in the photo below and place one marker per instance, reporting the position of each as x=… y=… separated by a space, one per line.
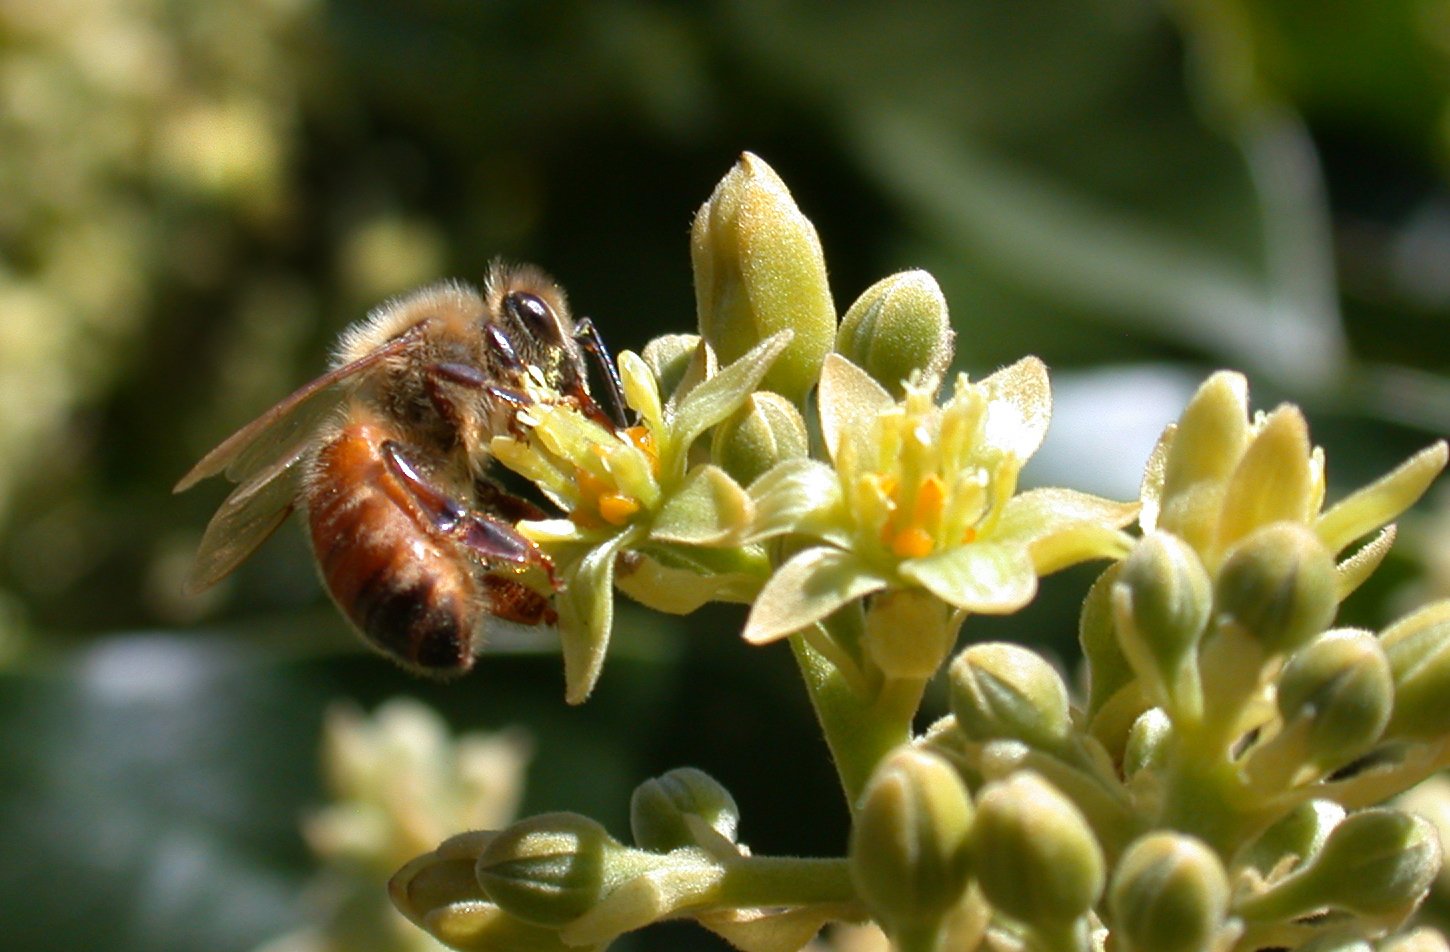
x=387 y=455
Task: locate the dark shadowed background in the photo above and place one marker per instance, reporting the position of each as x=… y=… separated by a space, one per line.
x=196 y=197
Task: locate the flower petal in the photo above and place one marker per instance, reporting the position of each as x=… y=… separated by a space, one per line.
x=1382 y=500
x=993 y=578
x=1211 y=435
x=850 y=399
x=717 y=398
x=586 y=612
x=806 y=589
x=709 y=509
x=1273 y=482
x=641 y=390
x=1352 y=571
x=676 y=590
x=1019 y=408
x=1062 y=527
x=799 y=495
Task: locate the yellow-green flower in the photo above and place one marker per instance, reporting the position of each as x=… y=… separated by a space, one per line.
x=637 y=490
x=1216 y=476
x=924 y=496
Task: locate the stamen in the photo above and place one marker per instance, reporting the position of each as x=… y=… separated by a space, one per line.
x=617 y=509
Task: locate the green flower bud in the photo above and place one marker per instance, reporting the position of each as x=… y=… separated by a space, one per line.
x=910 y=846
x=1376 y=863
x=759 y=269
x=551 y=869
x=1279 y=586
x=764 y=431
x=1004 y=691
x=1339 y=686
x=1300 y=833
x=442 y=878
x=1148 y=739
x=1036 y=858
x=484 y=927
x=671 y=357
x=1097 y=632
x=1169 y=894
x=909 y=633
x=667 y=812
x=1418 y=649
x=1431 y=799
x=1163 y=598
x=898 y=326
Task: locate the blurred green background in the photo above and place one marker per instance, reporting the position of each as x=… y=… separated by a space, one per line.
x=196 y=197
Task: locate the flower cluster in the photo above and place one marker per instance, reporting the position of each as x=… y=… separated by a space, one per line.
x=1221 y=786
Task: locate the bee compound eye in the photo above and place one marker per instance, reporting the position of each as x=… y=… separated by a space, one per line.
x=534 y=315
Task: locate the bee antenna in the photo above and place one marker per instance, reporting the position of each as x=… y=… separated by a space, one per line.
x=593 y=344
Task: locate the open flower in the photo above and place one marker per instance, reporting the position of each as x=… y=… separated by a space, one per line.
x=1218 y=475
x=635 y=490
x=923 y=496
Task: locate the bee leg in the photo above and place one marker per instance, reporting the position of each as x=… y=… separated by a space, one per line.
x=592 y=343
x=494 y=498
x=513 y=601
x=491 y=539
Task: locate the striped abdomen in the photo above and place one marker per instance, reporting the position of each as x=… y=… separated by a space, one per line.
x=405 y=585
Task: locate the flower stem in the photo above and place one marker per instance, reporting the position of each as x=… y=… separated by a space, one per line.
x=760 y=881
x=859 y=730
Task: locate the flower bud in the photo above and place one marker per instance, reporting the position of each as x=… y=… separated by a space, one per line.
x=910 y=845
x=909 y=633
x=1036 y=858
x=484 y=927
x=441 y=878
x=898 y=326
x=1431 y=799
x=671 y=356
x=1004 y=691
x=665 y=813
x=550 y=869
x=764 y=431
x=1339 y=686
x=1162 y=599
x=1278 y=585
x=1377 y=862
x=759 y=269
x=1169 y=894
x=1418 y=649
x=1300 y=833
x=1097 y=633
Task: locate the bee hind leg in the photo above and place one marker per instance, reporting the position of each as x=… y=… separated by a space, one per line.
x=492 y=540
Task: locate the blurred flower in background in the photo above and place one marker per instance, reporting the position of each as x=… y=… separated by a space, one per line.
x=398 y=784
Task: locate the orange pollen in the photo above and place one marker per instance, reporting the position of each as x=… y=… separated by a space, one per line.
x=617 y=508
x=644 y=441
x=913 y=542
x=592 y=491
x=969 y=536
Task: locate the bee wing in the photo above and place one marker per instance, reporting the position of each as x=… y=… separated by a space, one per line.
x=245 y=519
x=281 y=432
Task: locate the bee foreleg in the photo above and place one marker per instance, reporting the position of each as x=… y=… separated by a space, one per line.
x=490 y=539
